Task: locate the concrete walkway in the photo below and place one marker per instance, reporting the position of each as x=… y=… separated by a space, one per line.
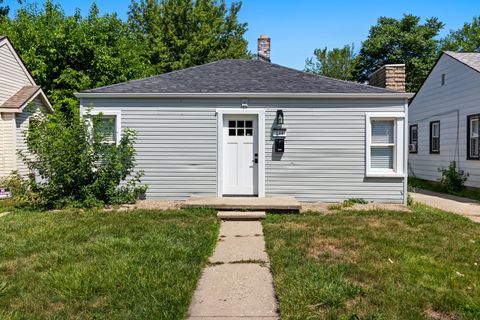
x=237 y=283
x=463 y=206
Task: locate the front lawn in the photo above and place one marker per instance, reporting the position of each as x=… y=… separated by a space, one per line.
x=375 y=265
x=102 y=265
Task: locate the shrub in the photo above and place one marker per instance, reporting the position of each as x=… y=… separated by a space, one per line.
x=452 y=180
x=22 y=189
x=75 y=166
x=350 y=202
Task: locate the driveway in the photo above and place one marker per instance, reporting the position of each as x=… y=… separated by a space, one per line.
x=466 y=207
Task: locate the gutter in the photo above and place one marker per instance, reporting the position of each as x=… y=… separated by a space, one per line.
x=388 y=95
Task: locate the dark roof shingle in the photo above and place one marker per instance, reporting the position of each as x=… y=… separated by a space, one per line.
x=471 y=59
x=20 y=98
x=238 y=76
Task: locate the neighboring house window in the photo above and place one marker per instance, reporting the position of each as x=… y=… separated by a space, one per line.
x=435 y=137
x=413 y=139
x=443 y=79
x=385 y=145
x=473 y=133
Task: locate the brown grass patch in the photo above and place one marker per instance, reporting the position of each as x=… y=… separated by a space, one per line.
x=12 y=266
x=437 y=315
x=325 y=247
x=295 y=225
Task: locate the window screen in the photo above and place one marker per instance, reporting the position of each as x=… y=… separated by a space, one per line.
x=382 y=152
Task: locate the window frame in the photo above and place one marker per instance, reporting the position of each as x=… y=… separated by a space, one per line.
x=108 y=113
x=432 y=123
x=410 y=138
x=469 y=127
x=398 y=145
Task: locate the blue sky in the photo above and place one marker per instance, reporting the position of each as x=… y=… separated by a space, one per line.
x=298 y=27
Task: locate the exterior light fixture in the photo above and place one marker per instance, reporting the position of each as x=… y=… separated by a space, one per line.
x=279 y=118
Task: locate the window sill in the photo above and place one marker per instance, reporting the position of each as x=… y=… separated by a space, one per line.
x=384 y=175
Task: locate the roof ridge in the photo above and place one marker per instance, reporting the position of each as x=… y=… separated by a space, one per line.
x=159 y=75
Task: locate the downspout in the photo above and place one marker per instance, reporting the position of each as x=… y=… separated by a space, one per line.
x=405 y=155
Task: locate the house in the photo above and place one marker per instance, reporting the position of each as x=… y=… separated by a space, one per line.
x=254 y=128
x=444 y=117
x=20 y=98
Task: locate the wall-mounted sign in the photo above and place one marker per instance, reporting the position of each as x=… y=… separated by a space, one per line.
x=279 y=133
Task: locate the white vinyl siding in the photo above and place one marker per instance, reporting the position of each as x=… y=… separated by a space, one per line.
x=12 y=75
x=451 y=104
x=324 y=158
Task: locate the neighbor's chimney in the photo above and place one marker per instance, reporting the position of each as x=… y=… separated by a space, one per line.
x=264 y=48
x=390 y=76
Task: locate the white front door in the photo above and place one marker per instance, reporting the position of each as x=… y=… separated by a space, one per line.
x=240 y=155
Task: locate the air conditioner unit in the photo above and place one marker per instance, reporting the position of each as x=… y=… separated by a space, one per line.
x=412 y=147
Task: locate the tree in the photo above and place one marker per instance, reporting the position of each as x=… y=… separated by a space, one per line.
x=184 y=33
x=401 y=41
x=466 y=39
x=66 y=54
x=5 y=10
x=337 y=63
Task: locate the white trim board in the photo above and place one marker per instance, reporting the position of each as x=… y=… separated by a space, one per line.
x=261 y=147
x=392 y=95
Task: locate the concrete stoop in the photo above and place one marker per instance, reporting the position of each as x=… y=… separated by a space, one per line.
x=244 y=203
x=241 y=215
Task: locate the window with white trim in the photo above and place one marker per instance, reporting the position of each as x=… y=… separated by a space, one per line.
x=435 y=137
x=413 y=139
x=473 y=134
x=107 y=126
x=385 y=145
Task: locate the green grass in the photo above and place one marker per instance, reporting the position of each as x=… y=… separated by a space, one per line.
x=468 y=192
x=375 y=265
x=102 y=265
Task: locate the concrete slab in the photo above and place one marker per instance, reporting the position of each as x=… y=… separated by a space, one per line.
x=241 y=228
x=241 y=215
x=465 y=207
x=234 y=249
x=239 y=203
x=234 y=290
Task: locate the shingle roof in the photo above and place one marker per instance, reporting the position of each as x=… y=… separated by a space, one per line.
x=471 y=59
x=20 y=98
x=238 y=76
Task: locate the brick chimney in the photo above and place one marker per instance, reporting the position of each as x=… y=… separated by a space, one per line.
x=390 y=76
x=264 y=48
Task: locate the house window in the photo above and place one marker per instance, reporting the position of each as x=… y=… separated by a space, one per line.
x=473 y=133
x=413 y=139
x=108 y=127
x=385 y=145
x=435 y=137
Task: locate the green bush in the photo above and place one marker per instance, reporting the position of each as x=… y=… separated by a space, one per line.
x=452 y=180
x=22 y=189
x=350 y=202
x=76 y=166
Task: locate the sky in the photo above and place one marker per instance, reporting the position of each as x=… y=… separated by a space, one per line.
x=298 y=27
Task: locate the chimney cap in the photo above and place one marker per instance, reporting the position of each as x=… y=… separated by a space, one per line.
x=263 y=36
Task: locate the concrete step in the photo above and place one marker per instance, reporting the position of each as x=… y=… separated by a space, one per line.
x=244 y=203
x=241 y=215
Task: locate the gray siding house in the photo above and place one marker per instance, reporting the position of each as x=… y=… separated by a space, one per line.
x=444 y=119
x=254 y=128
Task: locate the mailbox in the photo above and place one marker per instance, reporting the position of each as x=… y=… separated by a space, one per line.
x=279 y=145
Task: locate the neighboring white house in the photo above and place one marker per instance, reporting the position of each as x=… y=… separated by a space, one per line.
x=20 y=97
x=254 y=128
x=444 y=119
